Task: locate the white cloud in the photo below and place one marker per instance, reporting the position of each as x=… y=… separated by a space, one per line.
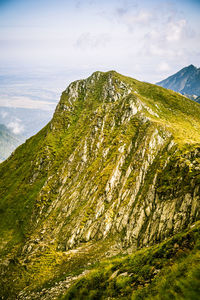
x=25 y=102
x=87 y=40
x=163 y=66
x=3 y=114
x=101 y=35
x=175 y=30
x=16 y=126
x=133 y=18
x=141 y=17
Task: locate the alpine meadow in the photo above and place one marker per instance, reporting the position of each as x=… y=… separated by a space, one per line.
x=103 y=202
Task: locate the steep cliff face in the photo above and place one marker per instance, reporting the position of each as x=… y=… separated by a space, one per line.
x=117 y=169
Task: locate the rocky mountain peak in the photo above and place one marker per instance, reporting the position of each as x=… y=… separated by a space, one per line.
x=185 y=81
x=115 y=170
x=192 y=67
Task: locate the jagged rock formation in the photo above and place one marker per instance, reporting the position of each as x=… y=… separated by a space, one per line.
x=115 y=170
x=186 y=81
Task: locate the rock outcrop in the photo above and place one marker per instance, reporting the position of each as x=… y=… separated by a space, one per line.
x=118 y=166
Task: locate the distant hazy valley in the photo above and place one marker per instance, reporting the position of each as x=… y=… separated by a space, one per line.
x=8 y=142
x=27 y=103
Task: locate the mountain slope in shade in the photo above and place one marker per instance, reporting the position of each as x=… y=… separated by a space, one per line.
x=8 y=142
x=186 y=81
x=117 y=169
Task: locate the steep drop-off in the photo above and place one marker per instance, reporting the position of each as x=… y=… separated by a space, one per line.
x=117 y=169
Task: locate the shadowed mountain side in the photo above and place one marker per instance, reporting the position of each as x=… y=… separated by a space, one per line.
x=186 y=81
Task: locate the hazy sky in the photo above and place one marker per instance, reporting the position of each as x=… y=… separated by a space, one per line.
x=145 y=39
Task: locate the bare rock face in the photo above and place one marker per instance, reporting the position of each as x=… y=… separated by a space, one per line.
x=108 y=169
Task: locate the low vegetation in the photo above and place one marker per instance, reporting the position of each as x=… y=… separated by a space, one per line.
x=115 y=159
x=169 y=270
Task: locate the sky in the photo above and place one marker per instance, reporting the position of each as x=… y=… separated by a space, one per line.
x=46 y=44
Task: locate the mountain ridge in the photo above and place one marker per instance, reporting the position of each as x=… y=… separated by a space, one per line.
x=115 y=170
x=185 y=81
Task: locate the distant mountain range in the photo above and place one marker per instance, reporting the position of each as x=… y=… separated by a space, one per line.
x=8 y=142
x=186 y=82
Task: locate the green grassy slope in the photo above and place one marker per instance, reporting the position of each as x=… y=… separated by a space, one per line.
x=32 y=178
x=178 y=113
x=170 y=270
x=18 y=195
